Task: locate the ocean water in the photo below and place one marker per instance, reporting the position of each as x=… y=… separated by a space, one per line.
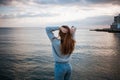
x=25 y=54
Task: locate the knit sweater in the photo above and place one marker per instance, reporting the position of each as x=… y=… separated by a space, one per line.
x=58 y=56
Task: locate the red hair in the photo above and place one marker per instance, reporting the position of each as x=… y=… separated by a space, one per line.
x=67 y=41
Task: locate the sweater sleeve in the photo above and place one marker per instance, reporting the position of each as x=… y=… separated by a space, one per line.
x=49 y=31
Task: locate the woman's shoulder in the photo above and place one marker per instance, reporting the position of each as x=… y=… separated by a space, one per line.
x=56 y=40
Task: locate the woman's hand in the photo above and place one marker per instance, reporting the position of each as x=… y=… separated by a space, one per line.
x=72 y=30
x=64 y=30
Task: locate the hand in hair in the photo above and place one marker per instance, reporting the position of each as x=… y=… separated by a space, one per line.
x=64 y=30
x=72 y=30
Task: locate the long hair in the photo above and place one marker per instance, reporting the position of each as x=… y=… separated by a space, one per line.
x=67 y=41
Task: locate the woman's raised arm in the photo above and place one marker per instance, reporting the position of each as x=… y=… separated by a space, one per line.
x=49 y=31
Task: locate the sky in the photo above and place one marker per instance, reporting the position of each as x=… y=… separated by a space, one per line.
x=41 y=13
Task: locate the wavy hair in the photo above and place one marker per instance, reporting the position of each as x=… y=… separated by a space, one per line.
x=67 y=41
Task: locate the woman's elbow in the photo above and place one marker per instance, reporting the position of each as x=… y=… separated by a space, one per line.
x=47 y=28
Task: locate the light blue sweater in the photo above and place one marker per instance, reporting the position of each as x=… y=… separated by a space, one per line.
x=58 y=57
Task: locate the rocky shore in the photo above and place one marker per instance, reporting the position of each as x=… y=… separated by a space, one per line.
x=114 y=28
x=106 y=30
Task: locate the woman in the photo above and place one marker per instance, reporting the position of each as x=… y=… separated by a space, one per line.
x=62 y=48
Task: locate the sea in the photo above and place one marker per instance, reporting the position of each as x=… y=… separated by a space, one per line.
x=26 y=54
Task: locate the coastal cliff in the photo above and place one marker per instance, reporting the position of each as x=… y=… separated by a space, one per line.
x=115 y=27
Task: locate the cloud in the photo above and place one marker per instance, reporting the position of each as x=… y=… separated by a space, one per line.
x=103 y=1
x=58 y=2
x=41 y=2
x=5 y=2
x=24 y=15
x=80 y=12
x=98 y=20
x=12 y=2
x=92 y=21
x=21 y=9
x=62 y=2
x=75 y=2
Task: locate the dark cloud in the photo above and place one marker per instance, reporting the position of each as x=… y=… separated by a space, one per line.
x=56 y=2
x=5 y=2
x=8 y=2
x=103 y=2
x=78 y=2
x=63 y=2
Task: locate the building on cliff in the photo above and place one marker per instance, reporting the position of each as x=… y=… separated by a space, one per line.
x=116 y=23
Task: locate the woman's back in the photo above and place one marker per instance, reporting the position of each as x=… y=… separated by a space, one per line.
x=62 y=49
x=58 y=56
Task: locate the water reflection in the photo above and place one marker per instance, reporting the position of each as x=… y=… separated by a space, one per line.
x=116 y=61
x=25 y=54
x=6 y=59
x=22 y=53
x=96 y=56
x=96 y=43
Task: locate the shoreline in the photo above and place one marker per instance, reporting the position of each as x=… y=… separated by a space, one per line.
x=106 y=30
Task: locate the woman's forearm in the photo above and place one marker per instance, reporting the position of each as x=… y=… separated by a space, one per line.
x=49 y=31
